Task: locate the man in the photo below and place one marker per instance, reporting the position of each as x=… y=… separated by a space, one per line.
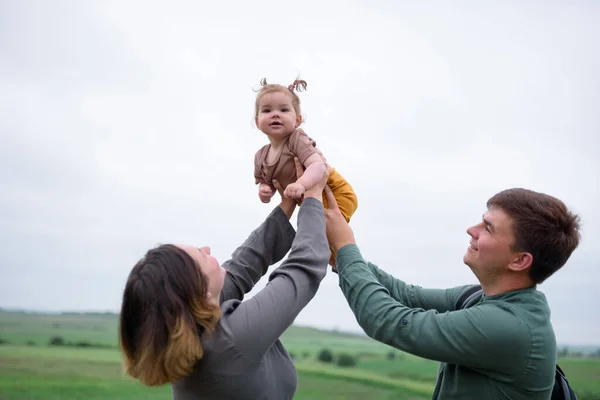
x=504 y=346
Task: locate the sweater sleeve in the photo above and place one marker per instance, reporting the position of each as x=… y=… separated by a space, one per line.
x=265 y=246
x=258 y=322
x=484 y=336
x=413 y=296
x=302 y=146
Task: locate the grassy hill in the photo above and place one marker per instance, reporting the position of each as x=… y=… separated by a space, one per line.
x=89 y=365
x=20 y=327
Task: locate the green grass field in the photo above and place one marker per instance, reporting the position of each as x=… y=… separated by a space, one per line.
x=31 y=369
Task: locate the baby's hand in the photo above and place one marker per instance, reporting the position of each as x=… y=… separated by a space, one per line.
x=265 y=192
x=294 y=191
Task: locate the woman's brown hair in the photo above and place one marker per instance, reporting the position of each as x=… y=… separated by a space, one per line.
x=164 y=313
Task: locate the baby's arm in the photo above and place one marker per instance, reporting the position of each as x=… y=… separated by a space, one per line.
x=265 y=192
x=315 y=168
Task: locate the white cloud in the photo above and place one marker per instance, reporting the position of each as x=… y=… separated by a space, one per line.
x=126 y=124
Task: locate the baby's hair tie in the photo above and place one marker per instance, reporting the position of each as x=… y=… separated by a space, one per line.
x=298 y=85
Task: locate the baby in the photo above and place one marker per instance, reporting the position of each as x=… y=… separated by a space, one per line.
x=277 y=114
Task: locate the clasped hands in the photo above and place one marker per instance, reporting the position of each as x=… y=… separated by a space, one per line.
x=339 y=233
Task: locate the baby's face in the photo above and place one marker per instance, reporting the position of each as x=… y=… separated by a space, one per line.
x=276 y=115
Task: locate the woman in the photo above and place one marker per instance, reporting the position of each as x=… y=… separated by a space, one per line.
x=183 y=320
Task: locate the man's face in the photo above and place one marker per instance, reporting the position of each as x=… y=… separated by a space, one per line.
x=489 y=253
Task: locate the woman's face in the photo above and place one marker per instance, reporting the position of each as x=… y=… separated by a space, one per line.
x=210 y=268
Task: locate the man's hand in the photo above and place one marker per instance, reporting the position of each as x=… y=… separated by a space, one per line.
x=265 y=192
x=317 y=190
x=294 y=191
x=339 y=232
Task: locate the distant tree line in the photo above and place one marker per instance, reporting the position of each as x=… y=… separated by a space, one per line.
x=325 y=355
x=564 y=352
x=60 y=341
x=95 y=314
x=341 y=359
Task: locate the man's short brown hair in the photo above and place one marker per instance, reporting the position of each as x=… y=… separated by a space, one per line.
x=542 y=226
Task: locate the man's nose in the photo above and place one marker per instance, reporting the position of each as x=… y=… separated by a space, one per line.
x=472 y=231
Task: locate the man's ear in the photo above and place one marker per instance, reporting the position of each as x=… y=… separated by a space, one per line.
x=521 y=262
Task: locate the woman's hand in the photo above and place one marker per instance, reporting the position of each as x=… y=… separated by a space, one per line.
x=289 y=205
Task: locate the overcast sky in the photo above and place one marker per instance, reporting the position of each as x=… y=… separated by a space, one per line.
x=124 y=124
